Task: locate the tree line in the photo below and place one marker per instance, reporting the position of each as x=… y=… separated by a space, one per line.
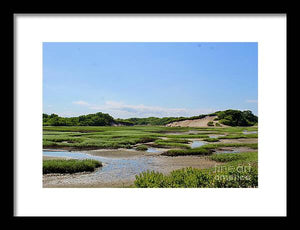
x=97 y=119
x=236 y=117
x=228 y=117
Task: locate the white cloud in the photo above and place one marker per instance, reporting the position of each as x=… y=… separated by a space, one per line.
x=251 y=101
x=81 y=103
x=68 y=114
x=122 y=110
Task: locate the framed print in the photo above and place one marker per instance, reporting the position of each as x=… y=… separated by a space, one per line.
x=150 y=115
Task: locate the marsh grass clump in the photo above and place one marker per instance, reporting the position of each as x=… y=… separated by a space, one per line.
x=239 y=136
x=207 y=149
x=236 y=158
x=142 y=148
x=164 y=144
x=174 y=140
x=187 y=152
x=70 y=166
x=220 y=145
x=226 y=157
x=211 y=139
x=187 y=136
x=146 y=139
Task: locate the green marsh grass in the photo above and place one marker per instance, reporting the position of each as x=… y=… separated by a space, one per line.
x=70 y=166
x=142 y=148
x=220 y=145
x=187 y=152
x=206 y=149
x=248 y=157
x=161 y=144
x=211 y=139
x=187 y=136
x=239 y=136
x=239 y=171
x=198 y=178
x=226 y=157
x=114 y=137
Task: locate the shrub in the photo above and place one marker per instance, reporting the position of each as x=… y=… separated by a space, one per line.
x=150 y=180
x=189 y=178
x=210 y=123
x=199 y=178
x=237 y=118
x=217 y=124
x=97 y=119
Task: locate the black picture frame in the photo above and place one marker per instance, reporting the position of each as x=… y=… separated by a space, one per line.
x=191 y=10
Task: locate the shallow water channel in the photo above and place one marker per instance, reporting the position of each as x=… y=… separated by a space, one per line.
x=153 y=150
x=114 y=169
x=122 y=166
x=249 y=132
x=196 y=144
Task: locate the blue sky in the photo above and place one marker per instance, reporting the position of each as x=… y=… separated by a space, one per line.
x=148 y=79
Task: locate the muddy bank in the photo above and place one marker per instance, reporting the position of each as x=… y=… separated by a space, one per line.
x=53 y=158
x=191 y=132
x=70 y=148
x=169 y=164
x=118 y=153
x=241 y=140
x=234 y=150
x=114 y=184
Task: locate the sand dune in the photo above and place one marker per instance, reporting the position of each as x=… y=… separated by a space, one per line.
x=193 y=123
